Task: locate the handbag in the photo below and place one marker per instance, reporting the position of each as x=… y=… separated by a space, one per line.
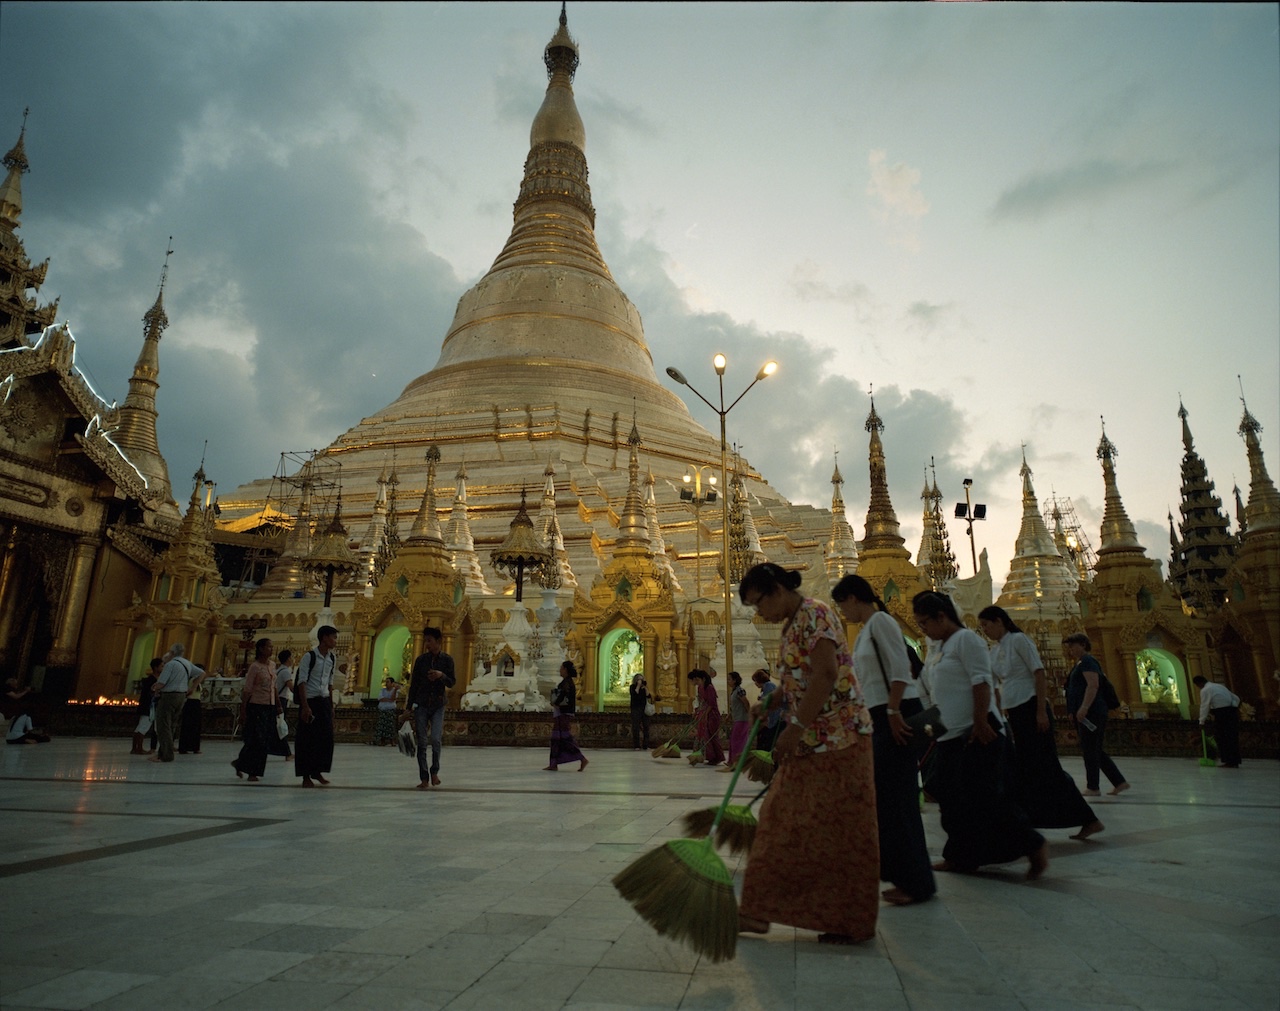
x=650 y=709
x=282 y=726
x=927 y=721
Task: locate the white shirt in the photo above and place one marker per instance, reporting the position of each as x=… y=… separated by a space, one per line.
x=963 y=662
x=284 y=674
x=882 y=630
x=316 y=676
x=19 y=728
x=1014 y=662
x=176 y=676
x=1216 y=696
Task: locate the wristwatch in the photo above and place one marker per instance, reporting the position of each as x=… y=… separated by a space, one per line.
x=892 y=712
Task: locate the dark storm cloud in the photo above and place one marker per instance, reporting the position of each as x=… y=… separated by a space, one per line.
x=1049 y=192
x=296 y=305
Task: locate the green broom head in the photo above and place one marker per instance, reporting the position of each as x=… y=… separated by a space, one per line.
x=695 y=758
x=759 y=767
x=737 y=829
x=1204 y=744
x=684 y=891
x=697 y=824
x=668 y=750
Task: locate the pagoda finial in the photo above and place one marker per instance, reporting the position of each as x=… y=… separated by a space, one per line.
x=1118 y=533
x=882 y=522
x=1263 y=510
x=11 y=191
x=156 y=319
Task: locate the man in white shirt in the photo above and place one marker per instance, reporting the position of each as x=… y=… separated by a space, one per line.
x=171 y=692
x=1224 y=705
x=313 y=687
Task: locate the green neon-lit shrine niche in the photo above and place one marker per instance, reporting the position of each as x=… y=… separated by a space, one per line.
x=1162 y=681
x=389 y=657
x=621 y=657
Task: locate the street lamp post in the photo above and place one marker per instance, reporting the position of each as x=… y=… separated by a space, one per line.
x=969 y=512
x=698 y=498
x=766 y=370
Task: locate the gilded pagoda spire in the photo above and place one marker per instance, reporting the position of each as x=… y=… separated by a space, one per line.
x=1242 y=516
x=426 y=525
x=633 y=531
x=460 y=542
x=935 y=558
x=744 y=540
x=16 y=166
x=1263 y=509
x=842 y=550
x=136 y=432
x=26 y=316
x=657 y=543
x=1203 y=549
x=1041 y=580
x=371 y=543
x=882 y=534
x=1118 y=533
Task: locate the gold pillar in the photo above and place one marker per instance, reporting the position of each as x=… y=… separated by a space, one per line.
x=75 y=595
x=8 y=596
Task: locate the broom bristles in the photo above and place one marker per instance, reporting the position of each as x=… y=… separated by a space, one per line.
x=760 y=767
x=697 y=824
x=737 y=829
x=685 y=892
x=668 y=750
x=695 y=758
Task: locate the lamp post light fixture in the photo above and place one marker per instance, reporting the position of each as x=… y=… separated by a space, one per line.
x=720 y=362
x=693 y=493
x=969 y=511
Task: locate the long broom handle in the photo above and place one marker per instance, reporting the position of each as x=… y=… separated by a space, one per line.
x=733 y=780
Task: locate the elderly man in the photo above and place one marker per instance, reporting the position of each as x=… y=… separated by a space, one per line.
x=171 y=692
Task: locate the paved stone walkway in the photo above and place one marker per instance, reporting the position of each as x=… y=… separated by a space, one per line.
x=127 y=884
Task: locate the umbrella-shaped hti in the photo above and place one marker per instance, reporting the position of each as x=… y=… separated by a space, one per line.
x=522 y=553
x=331 y=556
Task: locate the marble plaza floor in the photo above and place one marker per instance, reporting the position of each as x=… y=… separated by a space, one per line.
x=127 y=884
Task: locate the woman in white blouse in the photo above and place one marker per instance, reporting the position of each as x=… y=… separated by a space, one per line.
x=983 y=822
x=880 y=663
x=1043 y=788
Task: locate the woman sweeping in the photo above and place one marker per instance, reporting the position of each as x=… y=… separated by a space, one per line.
x=564 y=701
x=1043 y=788
x=815 y=863
x=984 y=824
x=880 y=660
x=259 y=695
x=706 y=729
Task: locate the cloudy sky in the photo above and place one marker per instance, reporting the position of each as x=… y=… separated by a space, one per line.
x=1009 y=220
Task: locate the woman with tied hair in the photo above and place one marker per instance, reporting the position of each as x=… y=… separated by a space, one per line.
x=815 y=863
x=984 y=824
x=1043 y=788
x=706 y=728
x=884 y=674
x=564 y=703
x=740 y=714
x=258 y=715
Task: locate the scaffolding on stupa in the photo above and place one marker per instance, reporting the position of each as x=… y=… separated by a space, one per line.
x=1061 y=520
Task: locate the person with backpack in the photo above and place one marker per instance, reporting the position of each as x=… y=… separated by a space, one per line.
x=1089 y=697
x=313 y=686
x=171 y=693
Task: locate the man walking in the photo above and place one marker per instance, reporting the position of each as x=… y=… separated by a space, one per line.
x=171 y=692
x=313 y=688
x=1225 y=707
x=431 y=677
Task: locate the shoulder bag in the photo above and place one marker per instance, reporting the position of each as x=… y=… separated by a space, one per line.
x=927 y=721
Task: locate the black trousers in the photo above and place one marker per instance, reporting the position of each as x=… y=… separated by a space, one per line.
x=1041 y=786
x=315 y=740
x=904 y=854
x=1226 y=731
x=984 y=824
x=1095 y=759
x=639 y=725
